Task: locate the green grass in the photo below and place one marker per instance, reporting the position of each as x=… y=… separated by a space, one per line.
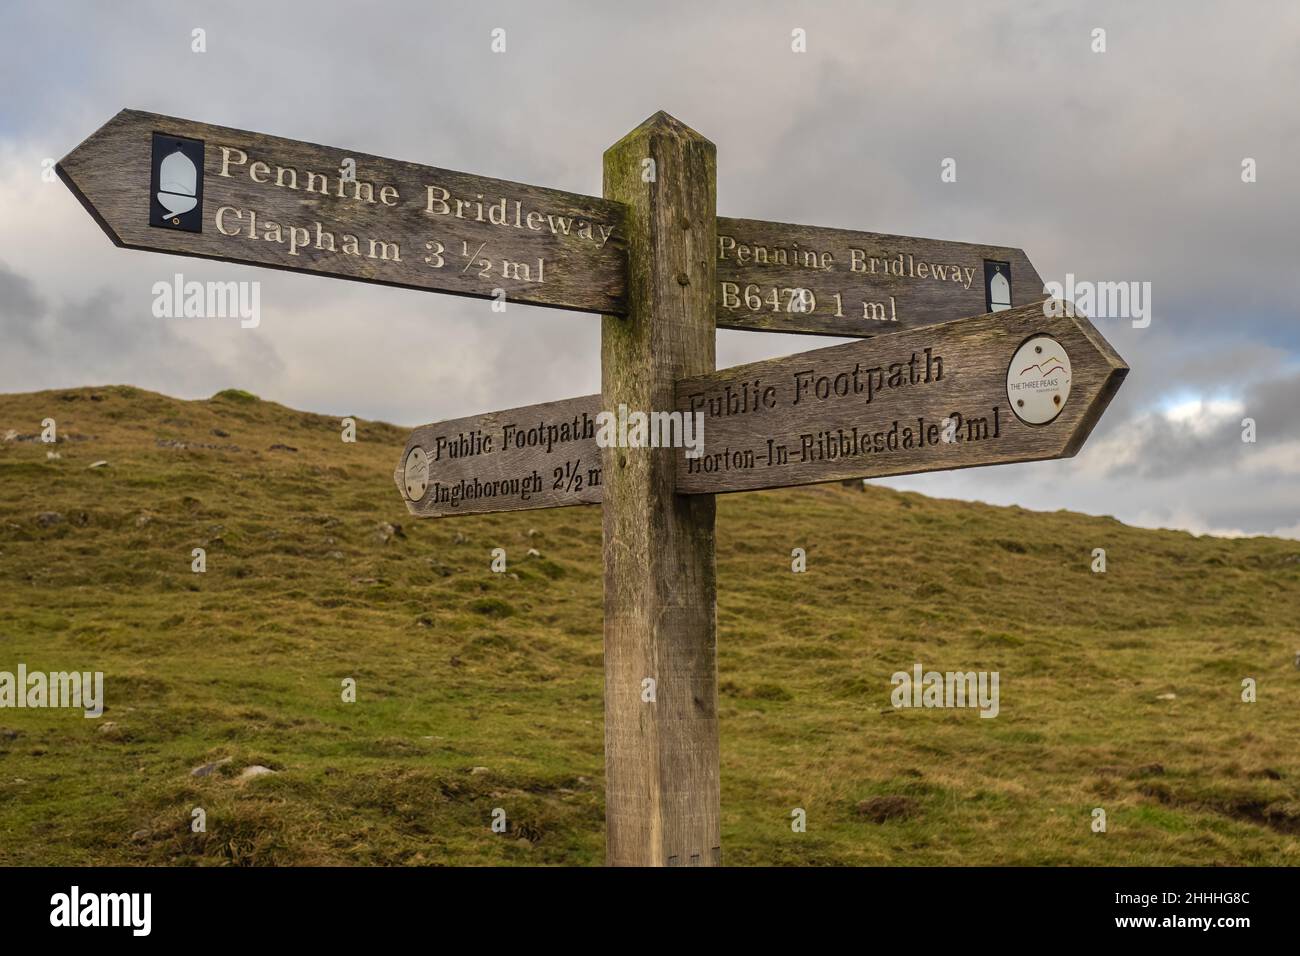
x=459 y=668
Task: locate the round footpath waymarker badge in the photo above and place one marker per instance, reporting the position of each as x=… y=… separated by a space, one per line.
x=1038 y=380
x=416 y=473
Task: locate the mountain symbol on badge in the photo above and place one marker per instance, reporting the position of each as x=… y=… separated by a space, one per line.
x=178 y=183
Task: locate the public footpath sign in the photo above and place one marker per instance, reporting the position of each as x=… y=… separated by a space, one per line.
x=988 y=390
x=540 y=456
x=961 y=363
x=999 y=388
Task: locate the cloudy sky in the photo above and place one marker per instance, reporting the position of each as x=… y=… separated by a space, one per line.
x=1117 y=166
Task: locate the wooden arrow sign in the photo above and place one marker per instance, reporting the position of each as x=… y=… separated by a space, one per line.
x=1007 y=387
x=171 y=185
x=539 y=456
x=776 y=277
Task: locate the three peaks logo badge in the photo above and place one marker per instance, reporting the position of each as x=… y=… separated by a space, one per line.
x=1038 y=380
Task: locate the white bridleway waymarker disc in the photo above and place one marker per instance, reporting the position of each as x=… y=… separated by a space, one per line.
x=1038 y=380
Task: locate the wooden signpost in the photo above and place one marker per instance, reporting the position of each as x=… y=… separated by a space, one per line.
x=962 y=366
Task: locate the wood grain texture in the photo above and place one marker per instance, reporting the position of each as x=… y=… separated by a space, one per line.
x=906 y=280
x=537 y=456
x=110 y=173
x=964 y=374
x=661 y=757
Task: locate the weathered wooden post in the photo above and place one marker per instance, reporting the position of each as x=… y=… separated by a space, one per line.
x=661 y=674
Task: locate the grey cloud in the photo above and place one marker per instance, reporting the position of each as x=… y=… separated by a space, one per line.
x=21 y=309
x=1189 y=448
x=105 y=336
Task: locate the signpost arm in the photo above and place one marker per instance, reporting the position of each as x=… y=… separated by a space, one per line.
x=661 y=677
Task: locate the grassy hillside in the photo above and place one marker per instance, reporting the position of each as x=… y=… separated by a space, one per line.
x=478 y=690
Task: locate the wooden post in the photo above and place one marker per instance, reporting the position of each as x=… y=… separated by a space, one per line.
x=661 y=674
